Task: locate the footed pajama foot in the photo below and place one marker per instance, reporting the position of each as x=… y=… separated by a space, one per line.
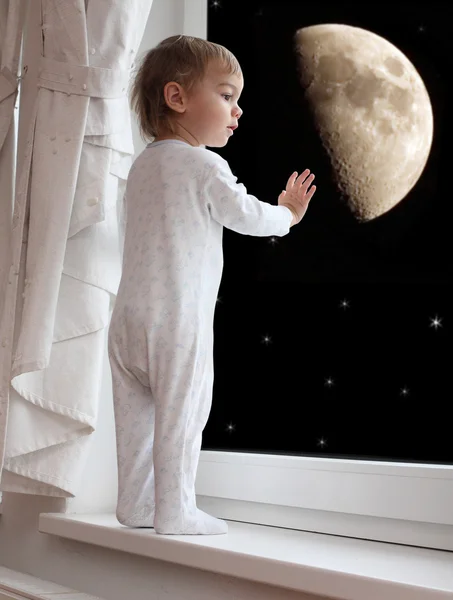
x=199 y=523
x=138 y=520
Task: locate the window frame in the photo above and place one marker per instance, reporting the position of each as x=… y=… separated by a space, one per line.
x=396 y=502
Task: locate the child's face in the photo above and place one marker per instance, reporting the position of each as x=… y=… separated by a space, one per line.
x=212 y=110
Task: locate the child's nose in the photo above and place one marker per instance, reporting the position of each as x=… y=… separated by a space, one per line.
x=238 y=112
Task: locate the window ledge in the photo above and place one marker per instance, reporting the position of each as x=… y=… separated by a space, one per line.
x=336 y=567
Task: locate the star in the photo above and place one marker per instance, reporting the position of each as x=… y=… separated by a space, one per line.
x=230 y=427
x=329 y=382
x=422 y=28
x=322 y=442
x=267 y=339
x=404 y=391
x=344 y=303
x=219 y=299
x=273 y=241
x=216 y=4
x=436 y=322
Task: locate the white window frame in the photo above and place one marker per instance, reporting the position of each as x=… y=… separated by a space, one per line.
x=395 y=502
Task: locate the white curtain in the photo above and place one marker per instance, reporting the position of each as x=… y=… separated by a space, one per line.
x=65 y=240
x=12 y=13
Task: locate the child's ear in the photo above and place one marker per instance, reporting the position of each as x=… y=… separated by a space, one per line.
x=175 y=97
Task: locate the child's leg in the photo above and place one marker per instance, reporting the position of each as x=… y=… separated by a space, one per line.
x=183 y=403
x=134 y=422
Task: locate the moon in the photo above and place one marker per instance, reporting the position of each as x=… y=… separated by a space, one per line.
x=371 y=110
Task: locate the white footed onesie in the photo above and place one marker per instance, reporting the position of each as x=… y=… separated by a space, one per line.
x=178 y=199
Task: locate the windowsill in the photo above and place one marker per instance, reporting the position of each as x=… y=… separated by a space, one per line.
x=336 y=567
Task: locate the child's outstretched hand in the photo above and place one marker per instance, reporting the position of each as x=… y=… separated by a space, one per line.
x=297 y=194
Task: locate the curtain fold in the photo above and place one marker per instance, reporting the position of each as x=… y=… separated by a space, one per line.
x=12 y=16
x=66 y=246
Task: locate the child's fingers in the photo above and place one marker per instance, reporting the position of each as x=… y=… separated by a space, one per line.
x=302 y=177
x=309 y=196
x=306 y=184
x=291 y=181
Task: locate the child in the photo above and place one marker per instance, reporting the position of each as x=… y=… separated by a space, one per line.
x=179 y=196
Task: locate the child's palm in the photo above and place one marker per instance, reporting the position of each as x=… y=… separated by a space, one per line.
x=298 y=194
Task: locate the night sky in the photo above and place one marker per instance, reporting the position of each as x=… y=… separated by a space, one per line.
x=332 y=341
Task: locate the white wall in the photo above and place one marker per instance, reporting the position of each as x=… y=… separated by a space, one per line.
x=110 y=574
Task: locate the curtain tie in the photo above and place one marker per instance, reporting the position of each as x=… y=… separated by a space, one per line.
x=96 y=82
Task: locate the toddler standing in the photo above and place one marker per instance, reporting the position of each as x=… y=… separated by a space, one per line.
x=179 y=196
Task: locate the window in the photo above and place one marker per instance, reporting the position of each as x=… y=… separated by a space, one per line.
x=331 y=343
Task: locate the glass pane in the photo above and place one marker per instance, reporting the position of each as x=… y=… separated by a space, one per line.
x=335 y=339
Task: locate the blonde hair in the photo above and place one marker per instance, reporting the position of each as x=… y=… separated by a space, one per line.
x=179 y=58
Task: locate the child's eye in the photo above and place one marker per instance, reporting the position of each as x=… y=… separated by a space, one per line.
x=227 y=96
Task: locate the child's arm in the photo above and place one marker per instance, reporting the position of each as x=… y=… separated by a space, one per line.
x=231 y=206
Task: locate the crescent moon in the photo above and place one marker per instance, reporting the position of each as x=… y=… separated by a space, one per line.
x=372 y=112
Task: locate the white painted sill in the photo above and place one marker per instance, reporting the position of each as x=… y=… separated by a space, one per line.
x=336 y=567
